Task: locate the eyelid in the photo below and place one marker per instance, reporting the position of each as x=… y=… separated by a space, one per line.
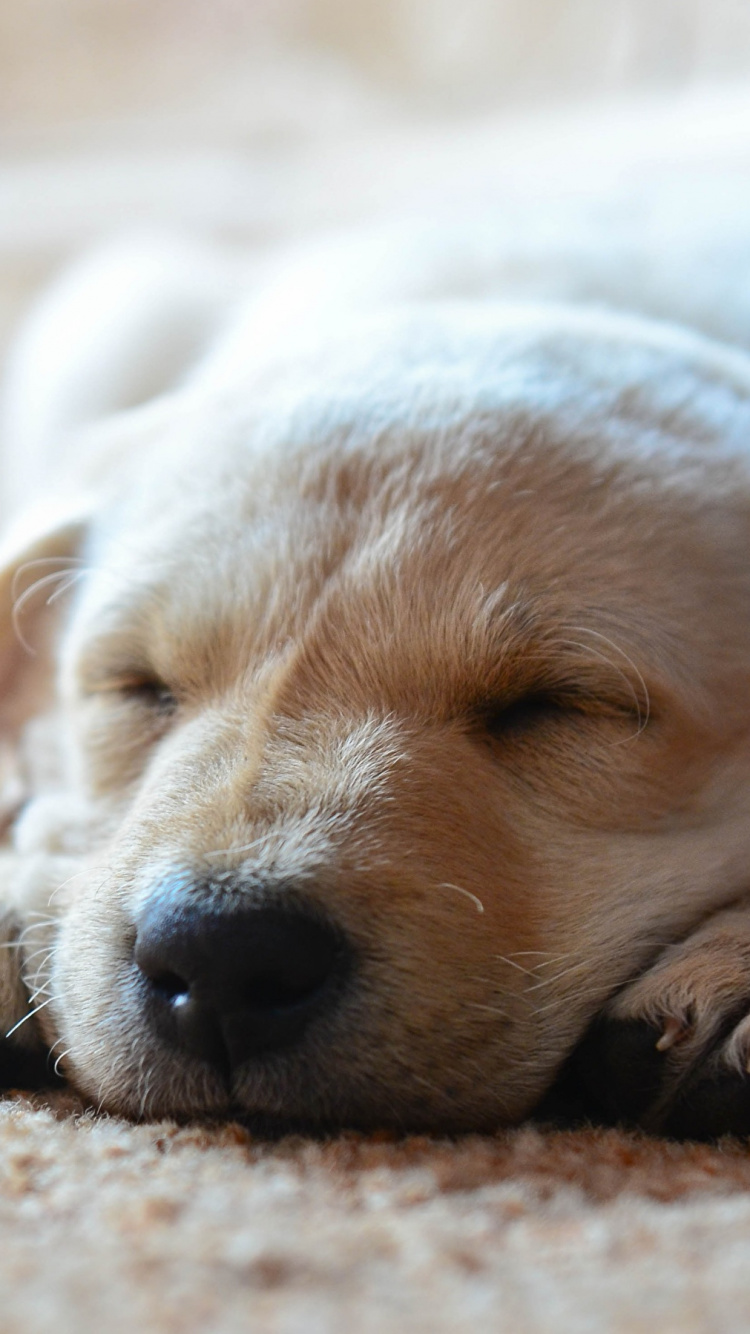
x=523 y=711
x=149 y=689
x=132 y=684
x=516 y=713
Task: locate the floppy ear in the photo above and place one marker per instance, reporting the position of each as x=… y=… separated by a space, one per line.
x=39 y=561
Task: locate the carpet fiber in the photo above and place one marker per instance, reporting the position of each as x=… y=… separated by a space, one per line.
x=109 y=1226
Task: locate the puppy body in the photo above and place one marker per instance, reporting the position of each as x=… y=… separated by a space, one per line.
x=429 y=619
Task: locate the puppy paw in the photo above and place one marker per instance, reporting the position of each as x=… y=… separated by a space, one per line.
x=671 y=1052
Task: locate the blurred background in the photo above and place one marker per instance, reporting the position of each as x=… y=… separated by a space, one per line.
x=242 y=117
x=81 y=60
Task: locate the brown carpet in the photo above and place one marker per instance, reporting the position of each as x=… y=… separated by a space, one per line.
x=106 y=1226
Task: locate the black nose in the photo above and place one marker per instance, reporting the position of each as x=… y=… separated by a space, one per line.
x=229 y=982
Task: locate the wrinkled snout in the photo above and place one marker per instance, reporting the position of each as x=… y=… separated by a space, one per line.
x=228 y=982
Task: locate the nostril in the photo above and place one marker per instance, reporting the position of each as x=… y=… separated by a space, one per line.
x=170 y=986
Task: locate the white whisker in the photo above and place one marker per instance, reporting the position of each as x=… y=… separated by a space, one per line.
x=29 y=958
x=643 y=718
x=64 y=577
x=90 y=870
x=235 y=851
x=26 y=1017
x=41 y=562
x=539 y=954
x=466 y=893
x=556 y=977
x=504 y=958
x=64 y=588
x=61 y=1057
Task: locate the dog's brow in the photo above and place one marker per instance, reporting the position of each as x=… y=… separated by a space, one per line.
x=113 y=652
x=518 y=652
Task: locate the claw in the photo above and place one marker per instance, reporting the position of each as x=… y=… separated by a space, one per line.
x=674 y=1031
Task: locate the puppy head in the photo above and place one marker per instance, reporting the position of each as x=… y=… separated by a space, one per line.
x=406 y=716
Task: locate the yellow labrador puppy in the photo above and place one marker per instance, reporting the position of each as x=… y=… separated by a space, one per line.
x=376 y=689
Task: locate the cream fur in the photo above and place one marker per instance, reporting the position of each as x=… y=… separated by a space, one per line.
x=374 y=504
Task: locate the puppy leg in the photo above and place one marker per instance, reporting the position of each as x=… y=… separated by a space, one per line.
x=671 y=1052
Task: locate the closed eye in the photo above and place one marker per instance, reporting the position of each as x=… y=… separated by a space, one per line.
x=530 y=711
x=151 y=693
x=540 y=708
x=147 y=691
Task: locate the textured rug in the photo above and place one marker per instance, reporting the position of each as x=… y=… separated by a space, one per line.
x=106 y=1226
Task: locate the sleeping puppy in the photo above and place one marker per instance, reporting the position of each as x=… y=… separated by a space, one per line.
x=375 y=697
